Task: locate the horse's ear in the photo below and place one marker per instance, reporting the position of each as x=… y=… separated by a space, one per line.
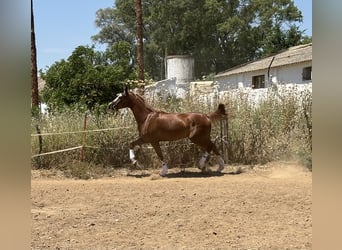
x=126 y=90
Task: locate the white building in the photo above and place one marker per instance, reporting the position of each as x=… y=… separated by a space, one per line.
x=293 y=65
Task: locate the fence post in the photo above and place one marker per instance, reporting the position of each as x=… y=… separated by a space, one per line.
x=221 y=137
x=224 y=138
x=40 y=142
x=226 y=152
x=84 y=137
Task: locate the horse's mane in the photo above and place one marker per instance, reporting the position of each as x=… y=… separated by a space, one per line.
x=144 y=102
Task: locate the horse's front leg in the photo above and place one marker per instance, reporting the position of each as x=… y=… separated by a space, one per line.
x=137 y=142
x=157 y=148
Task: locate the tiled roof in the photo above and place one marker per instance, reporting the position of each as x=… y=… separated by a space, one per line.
x=297 y=54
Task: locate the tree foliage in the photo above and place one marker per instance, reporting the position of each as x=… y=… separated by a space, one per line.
x=88 y=78
x=219 y=34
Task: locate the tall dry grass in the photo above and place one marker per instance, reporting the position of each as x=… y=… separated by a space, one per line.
x=278 y=127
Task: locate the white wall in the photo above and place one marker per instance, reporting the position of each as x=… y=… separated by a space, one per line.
x=291 y=73
x=162 y=88
x=283 y=75
x=255 y=96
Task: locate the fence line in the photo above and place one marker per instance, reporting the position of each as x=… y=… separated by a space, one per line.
x=57 y=151
x=144 y=146
x=84 y=131
x=77 y=132
x=97 y=147
x=72 y=132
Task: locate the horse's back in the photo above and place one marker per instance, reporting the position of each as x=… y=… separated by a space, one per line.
x=185 y=119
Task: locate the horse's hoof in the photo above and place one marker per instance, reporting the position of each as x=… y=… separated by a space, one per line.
x=204 y=170
x=201 y=168
x=220 y=169
x=136 y=164
x=163 y=173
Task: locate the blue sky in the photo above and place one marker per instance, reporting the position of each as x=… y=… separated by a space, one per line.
x=62 y=25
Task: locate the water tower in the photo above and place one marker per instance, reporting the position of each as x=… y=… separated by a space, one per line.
x=181 y=67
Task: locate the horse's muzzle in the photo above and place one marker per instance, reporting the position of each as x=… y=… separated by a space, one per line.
x=111 y=106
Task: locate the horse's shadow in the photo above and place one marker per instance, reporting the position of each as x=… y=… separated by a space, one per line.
x=139 y=175
x=189 y=174
x=186 y=174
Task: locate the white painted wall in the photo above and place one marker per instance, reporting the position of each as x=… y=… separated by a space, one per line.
x=284 y=77
x=291 y=73
x=162 y=88
x=281 y=75
x=255 y=96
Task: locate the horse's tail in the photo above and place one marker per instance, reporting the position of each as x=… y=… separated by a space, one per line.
x=219 y=113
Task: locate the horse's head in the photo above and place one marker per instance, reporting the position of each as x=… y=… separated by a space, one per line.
x=121 y=101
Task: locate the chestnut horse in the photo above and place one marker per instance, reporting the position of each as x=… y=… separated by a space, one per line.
x=155 y=126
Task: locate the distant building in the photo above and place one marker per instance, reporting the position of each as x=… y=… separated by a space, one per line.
x=291 y=66
x=288 y=68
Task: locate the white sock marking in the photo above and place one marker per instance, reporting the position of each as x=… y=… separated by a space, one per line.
x=164 y=169
x=203 y=159
x=131 y=155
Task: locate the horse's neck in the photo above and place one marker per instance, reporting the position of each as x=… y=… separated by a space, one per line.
x=140 y=112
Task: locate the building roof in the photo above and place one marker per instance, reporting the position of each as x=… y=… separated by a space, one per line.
x=296 y=54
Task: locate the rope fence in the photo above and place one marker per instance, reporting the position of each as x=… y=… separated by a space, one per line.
x=84 y=132
x=97 y=147
x=80 y=131
x=57 y=151
x=82 y=147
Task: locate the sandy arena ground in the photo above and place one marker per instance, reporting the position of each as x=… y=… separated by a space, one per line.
x=267 y=207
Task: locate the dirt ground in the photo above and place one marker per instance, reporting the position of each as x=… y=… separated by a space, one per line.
x=265 y=207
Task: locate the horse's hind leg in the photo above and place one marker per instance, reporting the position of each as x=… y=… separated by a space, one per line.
x=203 y=159
x=212 y=147
x=157 y=148
x=137 y=142
x=220 y=160
x=208 y=146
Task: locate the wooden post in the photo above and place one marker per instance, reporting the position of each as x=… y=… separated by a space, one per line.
x=140 y=50
x=40 y=142
x=221 y=137
x=226 y=152
x=84 y=137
